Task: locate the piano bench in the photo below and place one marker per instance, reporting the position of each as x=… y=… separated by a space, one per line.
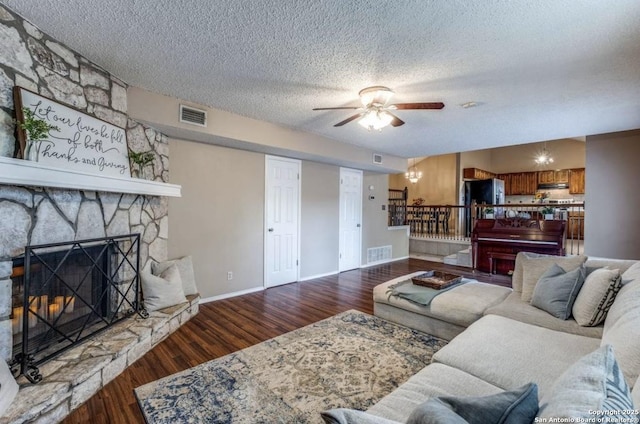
x=494 y=257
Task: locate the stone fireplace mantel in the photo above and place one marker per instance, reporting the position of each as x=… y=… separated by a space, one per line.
x=21 y=172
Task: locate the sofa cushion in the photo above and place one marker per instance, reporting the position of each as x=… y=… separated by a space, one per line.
x=596 y=296
x=185 y=268
x=508 y=407
x=513 y=307
x=557 y=289
x=534 y=267
x=352 y=416
x=433 y=380
x=621 y=264
x=593 y=383
x=632 y=273
x=466 y=304
x=461 y=305
x=622 y=329
x=509 y=354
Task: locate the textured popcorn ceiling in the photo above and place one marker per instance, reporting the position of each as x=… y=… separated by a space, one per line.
x=539 y=70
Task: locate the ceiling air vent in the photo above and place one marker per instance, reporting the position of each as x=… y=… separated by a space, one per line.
x=377 y=158
x=193 y=116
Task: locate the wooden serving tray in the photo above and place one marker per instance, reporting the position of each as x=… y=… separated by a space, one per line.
x=436 y=279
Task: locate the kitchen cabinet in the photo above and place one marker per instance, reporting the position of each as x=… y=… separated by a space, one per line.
x=477 y=174
x=561 y=176
x=576 y=181
x=552 y=177
x=546 y=177
x=519 y=183
x=524 y=183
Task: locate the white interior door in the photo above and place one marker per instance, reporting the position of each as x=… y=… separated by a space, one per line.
x=282 y=217
x=350 y=219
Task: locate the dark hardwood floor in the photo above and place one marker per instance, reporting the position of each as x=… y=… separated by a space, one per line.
x=225 y=326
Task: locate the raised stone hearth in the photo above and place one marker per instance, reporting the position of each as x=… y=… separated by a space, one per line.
x=76 y=375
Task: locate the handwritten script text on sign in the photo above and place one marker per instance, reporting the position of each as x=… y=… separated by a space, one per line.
x=83 y=142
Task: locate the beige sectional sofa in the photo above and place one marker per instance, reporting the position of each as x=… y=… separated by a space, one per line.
x=511 y=343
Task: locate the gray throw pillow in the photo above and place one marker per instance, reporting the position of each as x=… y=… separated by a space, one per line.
x=513 y=407
x=557 y=289
x=162 y=291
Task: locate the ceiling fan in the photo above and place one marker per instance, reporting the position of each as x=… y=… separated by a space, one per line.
x=375 y=114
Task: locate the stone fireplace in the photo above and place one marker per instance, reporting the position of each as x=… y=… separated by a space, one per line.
x=34 y=215
x=49 y=206
x=64 y=293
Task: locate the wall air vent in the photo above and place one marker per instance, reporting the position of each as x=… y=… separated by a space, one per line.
x=377 y=158
x=379 y=254
x=193 y=116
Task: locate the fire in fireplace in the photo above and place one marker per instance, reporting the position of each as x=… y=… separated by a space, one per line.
x=64 y=293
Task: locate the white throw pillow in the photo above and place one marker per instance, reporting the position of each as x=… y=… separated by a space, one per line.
x=533 y=268
x=622 y=329
x=596 y=297
x=185 y=267
x=632 y=273
x=594 y=383
x=8 y=387
x=163 y=290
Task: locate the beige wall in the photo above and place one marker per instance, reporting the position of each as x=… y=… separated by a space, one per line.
x=566 y=153
x=219 y=218
x=375 y=232
x=612 y=200
x=319 y=239
x=236 y=131
x=438 y=185
x=480 y=159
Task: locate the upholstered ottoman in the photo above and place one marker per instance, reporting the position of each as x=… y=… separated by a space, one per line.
x=448 y=314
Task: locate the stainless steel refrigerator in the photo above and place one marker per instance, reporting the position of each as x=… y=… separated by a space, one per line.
x=489 y=192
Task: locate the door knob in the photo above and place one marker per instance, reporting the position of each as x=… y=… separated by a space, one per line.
x=270 y=230
x=358 y=225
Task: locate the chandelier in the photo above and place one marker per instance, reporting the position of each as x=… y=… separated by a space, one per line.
x=543 y=157
x=412 y=174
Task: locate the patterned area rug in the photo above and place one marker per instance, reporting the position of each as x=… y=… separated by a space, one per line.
x=349 y=360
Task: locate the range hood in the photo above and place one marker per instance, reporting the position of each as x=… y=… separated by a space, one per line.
x=550 y=186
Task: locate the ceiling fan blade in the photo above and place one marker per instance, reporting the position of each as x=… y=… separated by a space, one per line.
x=436 y=105
x=396 y=121
x=336 y=108
x=349 y=119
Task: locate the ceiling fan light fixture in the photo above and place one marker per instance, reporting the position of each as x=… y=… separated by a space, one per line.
x=377 y=95
x=375 y=119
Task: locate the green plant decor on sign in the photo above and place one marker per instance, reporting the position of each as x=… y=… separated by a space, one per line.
x=37 y=131
x=141 y=160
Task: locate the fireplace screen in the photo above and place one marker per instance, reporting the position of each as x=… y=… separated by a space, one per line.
x=64 y=293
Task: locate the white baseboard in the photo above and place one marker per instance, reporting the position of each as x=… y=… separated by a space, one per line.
x=386 y=261
x=327 y=274
x=228 y=295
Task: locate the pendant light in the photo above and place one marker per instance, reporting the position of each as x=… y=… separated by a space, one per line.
x=412 y=174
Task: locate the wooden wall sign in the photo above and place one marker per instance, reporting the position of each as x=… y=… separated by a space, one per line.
x=83 y=143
